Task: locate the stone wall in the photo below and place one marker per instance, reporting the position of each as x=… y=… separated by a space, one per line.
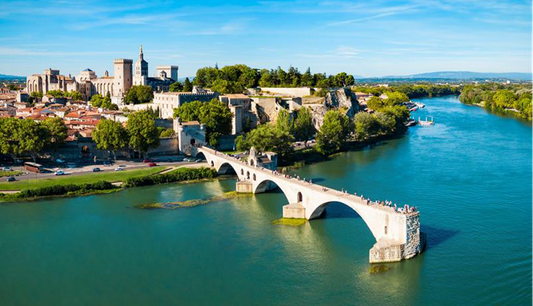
x=294 y=92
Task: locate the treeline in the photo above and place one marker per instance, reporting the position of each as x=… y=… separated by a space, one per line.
x=336 y=131
x=411 y=90
x=236 y=78
x=25 y=136
x=184 y=174
x=498 y=97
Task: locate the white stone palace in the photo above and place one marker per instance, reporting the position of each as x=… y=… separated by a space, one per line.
x=89 y=84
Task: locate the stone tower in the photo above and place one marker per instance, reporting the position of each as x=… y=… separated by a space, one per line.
x=141 y=69
x=123 y=76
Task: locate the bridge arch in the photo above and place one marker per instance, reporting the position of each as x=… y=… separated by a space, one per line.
x=377 y=230
x=226 y=168
x=268 y=184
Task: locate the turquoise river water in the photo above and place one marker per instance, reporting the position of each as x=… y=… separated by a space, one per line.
x=469 y=175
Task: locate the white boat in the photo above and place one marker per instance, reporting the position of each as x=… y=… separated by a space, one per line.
x=420 y=105
x=426 y=122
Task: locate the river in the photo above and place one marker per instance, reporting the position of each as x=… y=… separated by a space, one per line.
x=469 y=175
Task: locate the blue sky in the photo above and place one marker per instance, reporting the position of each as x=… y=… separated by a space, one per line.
x=368 y=38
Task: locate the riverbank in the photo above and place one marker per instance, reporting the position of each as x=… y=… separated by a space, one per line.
x=134 y=179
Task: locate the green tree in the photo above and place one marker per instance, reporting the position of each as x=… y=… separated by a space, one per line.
x=266 y=137
x=189 y=111
x=166 y=133
x=187 y=85
x=139 y=94
x=217 y=118
x=366 y=125
x=333 y=133
x=110 y=135
x=142 y=132
x=395 y=98
x=56 y=132
x=304 y=129
x=284 y=121
x=375 y=103
x=176 y=87
x=56 y=93
x=75 y=95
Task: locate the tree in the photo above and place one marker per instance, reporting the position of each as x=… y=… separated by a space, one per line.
x=166 y=133
x=187 y=85
x=56 y=93
x=142 y=132
x=304 y=129
x=110 y=135
x=217 y=118
x=366 y=125
x=75 y=95
x=400 y=114
x=266 y=137
x=30 y=138
x=375 y=103
x=395 y=98
x=103 y=102
x=189 y=111
x=56 y=132
x=139 y=94
x=284 y=121
x=176 y=87
x=333 y=133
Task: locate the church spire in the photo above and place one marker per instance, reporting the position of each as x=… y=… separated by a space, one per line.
x=141 y=55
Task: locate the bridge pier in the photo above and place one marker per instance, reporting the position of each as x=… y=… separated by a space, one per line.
x=244 y=187
x=388 y=250
x=294 y=211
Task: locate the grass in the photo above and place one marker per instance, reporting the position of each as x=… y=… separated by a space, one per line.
x=9 y=173
x=289 y=221
x=110 y=176
x=195 y=202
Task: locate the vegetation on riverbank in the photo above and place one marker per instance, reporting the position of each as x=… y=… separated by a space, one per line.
x=59 y=190
x=515 y=98
x=111 y=176
x=195 y=202
x=290 y=221
x=411 y=90
x=96 y=184
x=178 y=175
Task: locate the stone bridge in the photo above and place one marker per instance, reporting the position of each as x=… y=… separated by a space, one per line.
x=397 y=233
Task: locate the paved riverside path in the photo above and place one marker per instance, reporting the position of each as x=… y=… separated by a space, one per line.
x=397 y=233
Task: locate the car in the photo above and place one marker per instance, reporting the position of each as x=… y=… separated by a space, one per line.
x=198 y=161
x=11 y=178
x=106 y=163
x=97 y=169
x=59 y=160
x=59 y=172
x=6 y=169
x=187 y=159
x=119 y=169
x=152 y=164
x=146 y=160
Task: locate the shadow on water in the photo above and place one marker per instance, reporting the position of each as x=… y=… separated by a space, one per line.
x=318 y=179
x=339 y=210
x=436 y=235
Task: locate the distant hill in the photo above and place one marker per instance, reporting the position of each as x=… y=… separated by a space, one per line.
x=11 y=77
x=465 y=75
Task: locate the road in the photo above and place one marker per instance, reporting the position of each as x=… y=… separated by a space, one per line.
x=128 y=165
